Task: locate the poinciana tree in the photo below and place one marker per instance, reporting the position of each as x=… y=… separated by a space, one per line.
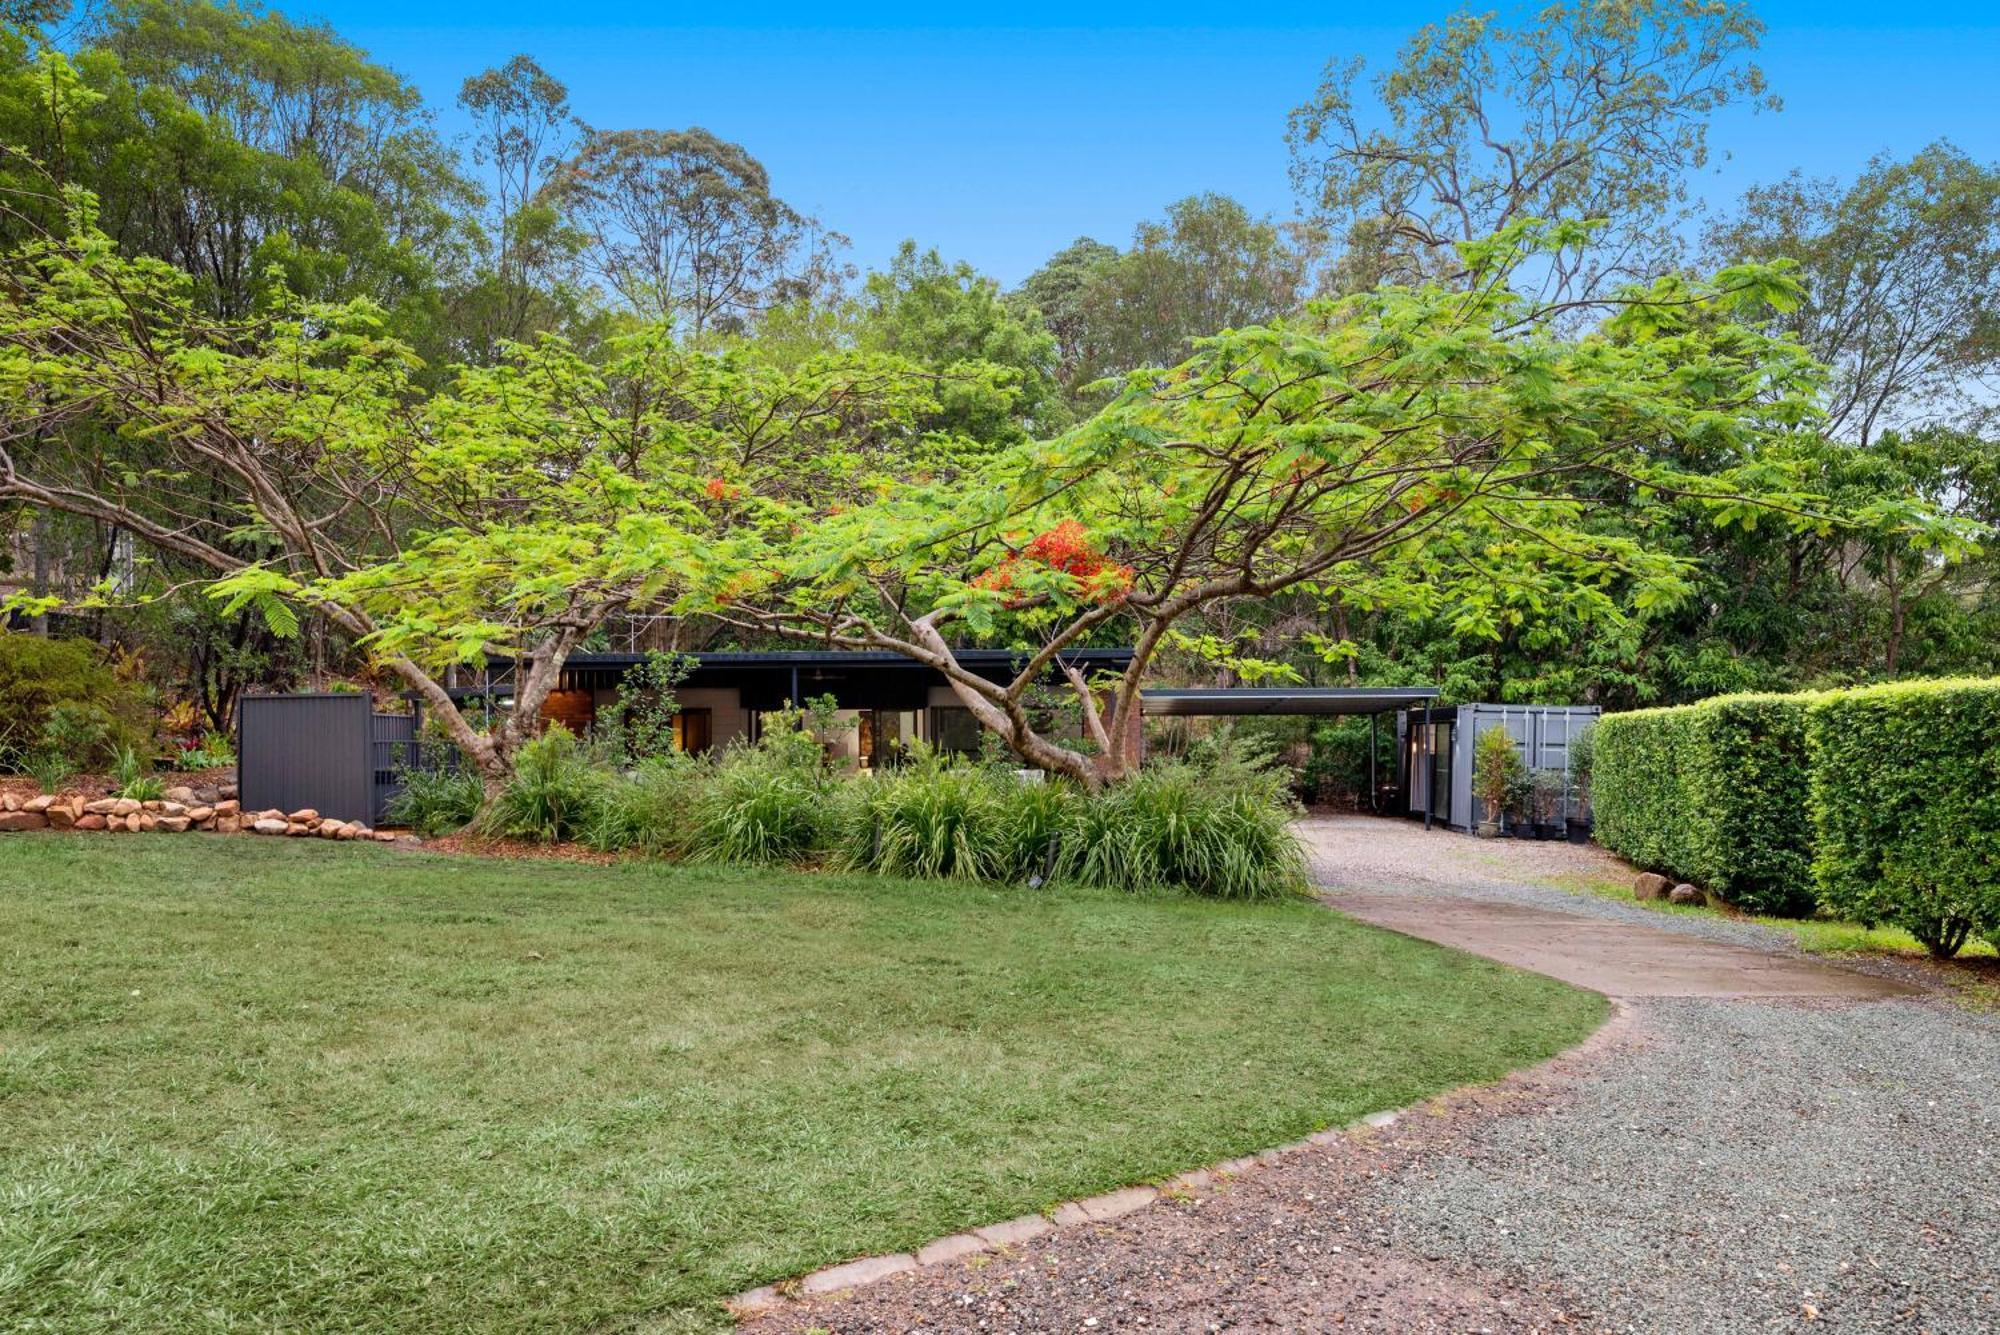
x=1437 y=449
x=294 y=458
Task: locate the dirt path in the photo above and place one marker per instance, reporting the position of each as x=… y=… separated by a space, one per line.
x=1760 y=1143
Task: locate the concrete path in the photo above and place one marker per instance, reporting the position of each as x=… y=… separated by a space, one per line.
x=1365 y=864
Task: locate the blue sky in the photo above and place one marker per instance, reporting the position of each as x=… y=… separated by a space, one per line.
x=1001 y=144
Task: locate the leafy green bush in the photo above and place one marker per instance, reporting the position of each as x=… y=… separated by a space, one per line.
x=144 y=788
x=1583 y=767
x=767 y=803
x=1171 y=827
x=1498 y=773
x=127 y=767
x=435 y=799
x=61 y=695
x=215 y=752
x=50 y=769
x=945 y=818
x=1905 y=802
x=554 y=794
x=1714 y=793
x=650 y=810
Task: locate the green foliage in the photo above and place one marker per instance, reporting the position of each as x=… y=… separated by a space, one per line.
x=214 y=752
x=435 y=799
x=553 y=794
x=641 y=725
x=931 y=819
x=1905 y=801
x=50 y=769
x=1498 y=772
x=144 y=788
x=765 y=804
x=652 y=809
x=1170 y=827
x=127 y=766
x=1713 y=793
x=1583 y=765
x=61 y=696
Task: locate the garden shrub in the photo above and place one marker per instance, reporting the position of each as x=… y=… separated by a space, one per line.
x=554 y=794
x=436 y=799
x=930 y=819
x=650 y=809
x=766 y=803
x=60 y=695
x=1170 y=826
x=1905 y=801
x=1714 y=793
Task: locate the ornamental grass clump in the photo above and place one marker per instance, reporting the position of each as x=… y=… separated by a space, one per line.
x=931 y=819
x=1170 y=827
x=435 y=799
x=554 y=794
x=648 y=810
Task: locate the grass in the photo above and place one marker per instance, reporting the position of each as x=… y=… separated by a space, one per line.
x=270 y=1083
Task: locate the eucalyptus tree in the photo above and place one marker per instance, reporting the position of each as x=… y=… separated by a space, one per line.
x=1901 y=271
x=683 y=225
x=1593 y=109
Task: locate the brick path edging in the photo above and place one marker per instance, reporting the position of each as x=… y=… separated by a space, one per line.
x=1098 y=1209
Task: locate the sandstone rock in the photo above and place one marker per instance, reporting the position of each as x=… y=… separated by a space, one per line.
x=1686 y=894
x=293 y=830
x=230 y=824
x=385 y=836
x=103 y=806
x=304 y=815
x=228 y=807
x=151 y=804
x=329 y=829
x=142 y=821
x=227 y=792
x=23 y=820
x=1650 y=885
x=169 y=807
x=199 y=815
x=41 y=802
x=90 y=820
x=349 y=832
x=180 y=793
x=266 y=825
x=125 y=806
x=172 y=824
x=9 y=801
x=60 y=818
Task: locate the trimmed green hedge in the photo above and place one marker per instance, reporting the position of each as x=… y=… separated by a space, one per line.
x=1905 y=802
x=1714 y=793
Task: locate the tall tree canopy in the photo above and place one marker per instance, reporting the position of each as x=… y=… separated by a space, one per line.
x=1594 y=109
x=1901 y=272
x=1436 y=450
x=294 y=458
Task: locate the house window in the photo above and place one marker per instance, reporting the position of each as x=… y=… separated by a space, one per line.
x=694 y=731
x=954 y=731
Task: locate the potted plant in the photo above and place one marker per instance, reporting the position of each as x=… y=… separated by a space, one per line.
x=1496 y=776
x=1548 y=804
x=1582 y=755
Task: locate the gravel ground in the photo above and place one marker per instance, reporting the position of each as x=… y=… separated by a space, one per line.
x=1700 y=1167
x=1751 y=1167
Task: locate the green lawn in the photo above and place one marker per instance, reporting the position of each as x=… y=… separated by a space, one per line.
x=270 y=1083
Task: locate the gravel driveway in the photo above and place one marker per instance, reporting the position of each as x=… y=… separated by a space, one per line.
x=1702 y=1166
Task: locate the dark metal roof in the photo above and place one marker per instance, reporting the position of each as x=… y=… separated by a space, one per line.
x=785 y=658
x=1174 y=701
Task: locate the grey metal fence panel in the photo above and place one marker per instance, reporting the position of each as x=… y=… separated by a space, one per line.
x=392 y=749
x=313 y=751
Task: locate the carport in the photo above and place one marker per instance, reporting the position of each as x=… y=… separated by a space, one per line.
x=1313 y=701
